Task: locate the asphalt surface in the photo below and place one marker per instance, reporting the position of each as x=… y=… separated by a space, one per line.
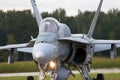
x=105 y=71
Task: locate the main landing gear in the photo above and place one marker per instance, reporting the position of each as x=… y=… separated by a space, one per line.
x=84 y=70
x=100 y=77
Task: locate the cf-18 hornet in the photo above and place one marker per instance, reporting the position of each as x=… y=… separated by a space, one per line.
x=56 y=50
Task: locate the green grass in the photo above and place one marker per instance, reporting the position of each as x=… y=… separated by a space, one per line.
x=115 y=76
x=32 y=67
x=18 y=67
x=12 y=78
x=99 y=62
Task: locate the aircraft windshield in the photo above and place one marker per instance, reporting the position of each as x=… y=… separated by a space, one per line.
x=48 y=26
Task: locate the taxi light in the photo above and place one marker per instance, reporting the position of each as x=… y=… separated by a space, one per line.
x=52 y=64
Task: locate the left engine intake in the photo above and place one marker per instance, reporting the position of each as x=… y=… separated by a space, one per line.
x=78 y=56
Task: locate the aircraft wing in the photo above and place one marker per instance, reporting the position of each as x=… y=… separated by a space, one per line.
x=20 y=47
x=26 y=50
x=99 y=45
x=105 y=41
x=102 y=45
x=13 y=46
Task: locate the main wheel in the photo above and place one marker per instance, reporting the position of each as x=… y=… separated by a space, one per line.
x=30 y=78
x=93 y=79
x=100 y=77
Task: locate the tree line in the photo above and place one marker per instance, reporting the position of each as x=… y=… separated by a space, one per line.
x=18 y=26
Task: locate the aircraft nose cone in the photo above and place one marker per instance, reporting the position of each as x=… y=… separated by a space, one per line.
x=43 y=52
x=39 y=55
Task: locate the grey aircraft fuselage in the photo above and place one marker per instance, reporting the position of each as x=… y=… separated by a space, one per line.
x=47 y=47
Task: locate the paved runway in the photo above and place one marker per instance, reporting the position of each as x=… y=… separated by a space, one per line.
x=76 y=72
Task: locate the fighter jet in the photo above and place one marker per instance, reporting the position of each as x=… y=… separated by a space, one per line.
x=56 y=50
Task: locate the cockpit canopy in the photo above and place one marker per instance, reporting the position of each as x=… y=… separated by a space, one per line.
x=49 y=26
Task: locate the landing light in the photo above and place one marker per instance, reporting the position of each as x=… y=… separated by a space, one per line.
x=52 y=65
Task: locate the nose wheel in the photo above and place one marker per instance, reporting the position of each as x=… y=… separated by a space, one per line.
x=30 y=78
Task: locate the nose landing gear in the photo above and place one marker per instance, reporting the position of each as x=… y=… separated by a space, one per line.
x=30 y=78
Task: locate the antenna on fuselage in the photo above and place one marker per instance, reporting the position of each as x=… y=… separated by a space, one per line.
x=93 y=24
x=36 y=12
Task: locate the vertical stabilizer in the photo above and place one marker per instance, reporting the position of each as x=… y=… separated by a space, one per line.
x=36 y=12
x=93 y=24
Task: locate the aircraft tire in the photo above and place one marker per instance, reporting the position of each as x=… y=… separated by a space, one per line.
x=30 y=78
x=100 y=77
x=93 y=79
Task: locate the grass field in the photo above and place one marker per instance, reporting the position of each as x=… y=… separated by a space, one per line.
x=115 y=76
x=99 y=62
x=18 y=67
x=32 y=67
